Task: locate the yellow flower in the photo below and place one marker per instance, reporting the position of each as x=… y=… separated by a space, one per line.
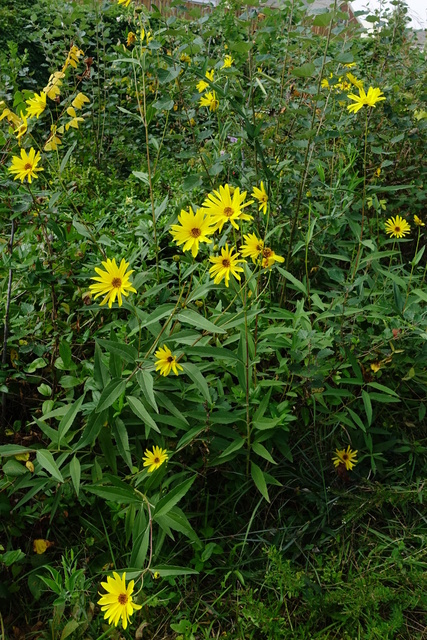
x=131 y=39
x=262 y=197
x=224 y=207
x=36 y=105
x=112 y=282
x=74 y=122
x=125 y=3
x=378 y=172
x=228 y=61
x=209 y=100
x=40 y=545
x=419 y=222
x=192 y=229
x=26 y=165
x=184 y=57
x=375 y=366
x=80 y=100
x=52 y=89
x=224 y=265
x=117 y=602
x=192 y=122
x=348 y=458
x=145 y=35
x=350 y=65
x=166 y=362
x=22 y=128
x=357 y=83
x=269 y=258
x=156 y=575
x=53 y=141
x=252 y=247
x=11 y=117
x=397 y=227
x=154 y=459
x=202 y=84
x=369 y=99
x=73 y=57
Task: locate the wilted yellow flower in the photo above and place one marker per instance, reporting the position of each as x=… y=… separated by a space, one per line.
x=347 y=458
x=166 y=362
x=80 y=100
x=11 y=117
x=357 y=83
x=131 y=39
x=418 y=221
x=184 y=57
x=36 y=105
x=375 y=366
x=40 y=545
x=262 y=197
x=224 y=265
x=26 y=165
x=117 y=602
x=269 y=257
x=154 y=459
x=113 y=282
x=146 y=35
x=397 y=227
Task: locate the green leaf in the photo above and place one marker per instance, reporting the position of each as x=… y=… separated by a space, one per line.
x=323 y=19
x=122 y=440
x=66 y=157
x=258 y=478
x=166 y=503
x=260 y=450
x=13 y=450
x=299 y=286
x=75 y=473
x=188 y=316
x=68 y=419
x=356 y=419
x=115 y=494
x=191 y=182
x=139 y=410
x=145 y=381
x=112 y=391
x=81 y=229
x=14 y=469
x=139 y=549
x=177 y=521
x=69 y=628
x=368 y=406
x=164 y=104
x=45 y=460
x=234 y=446
x=381 y=387
x=306 y=70
x=240 y=47
x=126 y=351
x=194 y=373
x=168 y=570
x=140 y=175
x=219 y=353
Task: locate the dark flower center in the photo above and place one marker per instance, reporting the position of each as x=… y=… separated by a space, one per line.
x=123 y=598
x=28 y=166
x=195 y=232
x=116 y=283
x=156 y=460
x=397 y=229
x=170 y=358
x=267 y=252
x=228 y=211
x=345 y=456
x=226 y=263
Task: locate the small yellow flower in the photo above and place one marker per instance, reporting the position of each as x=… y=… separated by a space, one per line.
x=269 y=257
x=145 y=35
x=36 y=105
x=156 y=575
x=192 y=229
x=375 y=366
x=224 y=265
x=117 y=602
x=210 y=100
x=166 y=362
x=357 y=83
x=131 y=39
x=26 y=165
x=184 y=57
x=154 y=459
x=369 y=99
x=22 y=128
x=228 y=61
x=347 y=458
x=378 y=172
x=262 y=197
x=113 y=282
x=397 y=227
x=79 y=101
x=252 y=248
x=192 y=122
x=40 y=545
x=202 y=84
x=418 y=221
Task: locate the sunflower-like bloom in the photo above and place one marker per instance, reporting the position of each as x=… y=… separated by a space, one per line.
x=347 y=458
x=252 y=247
x=418 y=221
x=210 y=100
x=113 y=282
x=184 y=57
x=224 y=265
x=79 y=101
x=269 y=257
x=154 y=459
x=369 y=99
x=26 y=165
x=22 y=127
x=36 y=105
x=223 y=207
x=75 y=119
x=202 y=84
x=228 y=61
x=397 y=227
x=357 y=83
x=117 y=602
x=262 y=197
x=52 y=89
x=53 y=141
x=166 y=362
x=131 y=39
x=192 y=229
x=125 y=3
x=73 y=57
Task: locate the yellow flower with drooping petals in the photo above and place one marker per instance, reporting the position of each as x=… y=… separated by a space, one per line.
x=262 y=197
x=269 y=257
x=113 y=282
x=252 y=247
x=22 y=128
x=154 y=459
x=131 y=39
x=166 y=362
x=36 y=105
x=117 y=602
x=192 y=229
x=26 y=165
x=369 y=99
x=228 y=62
x=357 y=83
x=184 y=57
x=418 y=221
x=347 y=458
x=11 y=117
x=210 y=100
x=397 y=227
x=225 y=265
x=79 y=101
x=223 y=207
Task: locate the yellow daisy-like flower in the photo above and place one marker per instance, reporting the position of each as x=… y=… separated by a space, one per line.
x=224 y=265
x=125 y=3
x=26 y=165
x=397 y=227
x=348 y=458
x=131 y=39
x=36 y=105
x=369 y=99
x=75 y=119
x=252 y=248
x=210 y=100
x=224 y=207
x=53 y=140
x=418 y=221
x=184 y=57
x=52 y=89
x=357 y=83
x=202 y=84
x=228 y=61
x=113 y=282
x=192 y=229
x=262 y=197
x=154 y=459
x=166 y=362
x=80 y=100
x=73 y=57
x=269 y=257
x=22 y=128
x=117 y=602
